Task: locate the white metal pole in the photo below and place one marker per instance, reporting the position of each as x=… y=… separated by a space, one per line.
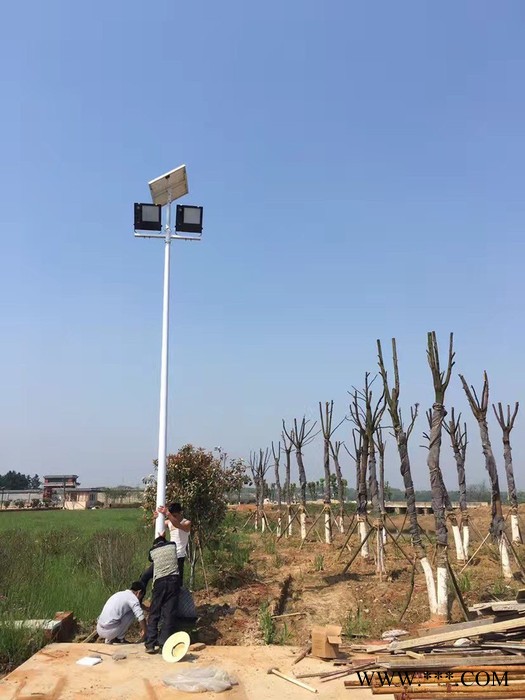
x=163 y=413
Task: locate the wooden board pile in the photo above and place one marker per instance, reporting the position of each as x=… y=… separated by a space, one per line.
x=482 y=658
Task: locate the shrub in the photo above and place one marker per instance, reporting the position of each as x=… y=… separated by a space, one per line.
x=112 y=557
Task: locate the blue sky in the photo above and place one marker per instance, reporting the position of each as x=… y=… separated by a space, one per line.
x=361 y=169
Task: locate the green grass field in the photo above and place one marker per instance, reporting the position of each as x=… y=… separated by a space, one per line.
x=68 y=560
x=87 y=521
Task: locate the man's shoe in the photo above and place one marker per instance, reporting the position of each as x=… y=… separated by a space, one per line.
x=121 y=641
x=151 y=650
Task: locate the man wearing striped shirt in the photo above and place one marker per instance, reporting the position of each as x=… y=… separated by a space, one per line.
x=165 y=597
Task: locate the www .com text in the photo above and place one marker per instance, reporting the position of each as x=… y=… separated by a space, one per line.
x=465 y=678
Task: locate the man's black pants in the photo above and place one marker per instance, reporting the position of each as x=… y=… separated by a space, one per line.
x=163 y=610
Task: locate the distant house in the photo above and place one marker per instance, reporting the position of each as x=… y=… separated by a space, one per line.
x=80 y=499
x=59 y=483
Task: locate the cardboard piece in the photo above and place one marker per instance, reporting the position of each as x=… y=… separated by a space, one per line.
x=326 y=641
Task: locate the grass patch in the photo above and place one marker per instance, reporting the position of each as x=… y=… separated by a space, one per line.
x=227 y=561
x=356 y=625
x=465 y=582
x=319 y=562
x=266 y=623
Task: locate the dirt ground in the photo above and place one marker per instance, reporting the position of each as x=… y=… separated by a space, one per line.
x=309 y=581
x=53 y=674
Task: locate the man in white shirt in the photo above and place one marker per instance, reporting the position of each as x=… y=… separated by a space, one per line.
x=179 y=528
x=120 y=610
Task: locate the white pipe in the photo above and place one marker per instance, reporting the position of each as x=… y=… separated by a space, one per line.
x=431 y=587
x=460 y=554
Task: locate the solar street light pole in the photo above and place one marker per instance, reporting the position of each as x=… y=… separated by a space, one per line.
x=164 y=191
x=163 y=412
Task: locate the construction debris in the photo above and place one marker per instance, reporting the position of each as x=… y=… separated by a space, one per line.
x=482 y=658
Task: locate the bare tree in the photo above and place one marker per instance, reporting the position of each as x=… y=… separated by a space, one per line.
x=381 y=448
x=367 y=417
x=440 y=498
x=506 y=425
x=458 y=440
x=328 y=431
x=335 y=448
x=287 y=449
x=259 y=465
x=402 y=436
x=276 y=460
x=479 y=409
x=300 y=436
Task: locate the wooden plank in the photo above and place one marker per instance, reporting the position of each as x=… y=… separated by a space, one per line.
x=498 y=605
x=425 y=632
x=446 y=662
x=452 y=635
x=514 y=646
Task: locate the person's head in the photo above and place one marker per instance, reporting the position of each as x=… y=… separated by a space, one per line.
x=175 y=508
x=161 y=539
x=138 y=589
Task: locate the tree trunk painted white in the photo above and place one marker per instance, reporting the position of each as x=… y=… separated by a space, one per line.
x=279 y=526
x=289 y=528
x=341 y=525
x=302 y=520
x=363 y=531
x=380 y=552
x=327 y=528
x=460 y=554
x=263 y=524
x=505 y=561
x=383 y=530
x=515 y=526
x=442 y=591
x=466 y=541
x=431 y=586
x=256 y=520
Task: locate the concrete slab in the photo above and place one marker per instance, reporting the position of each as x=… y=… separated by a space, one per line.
x=52 y=674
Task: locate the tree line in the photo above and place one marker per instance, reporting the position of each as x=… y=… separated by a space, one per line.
x=16 y=481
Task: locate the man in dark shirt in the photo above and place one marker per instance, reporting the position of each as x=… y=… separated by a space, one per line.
x=165 y=596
